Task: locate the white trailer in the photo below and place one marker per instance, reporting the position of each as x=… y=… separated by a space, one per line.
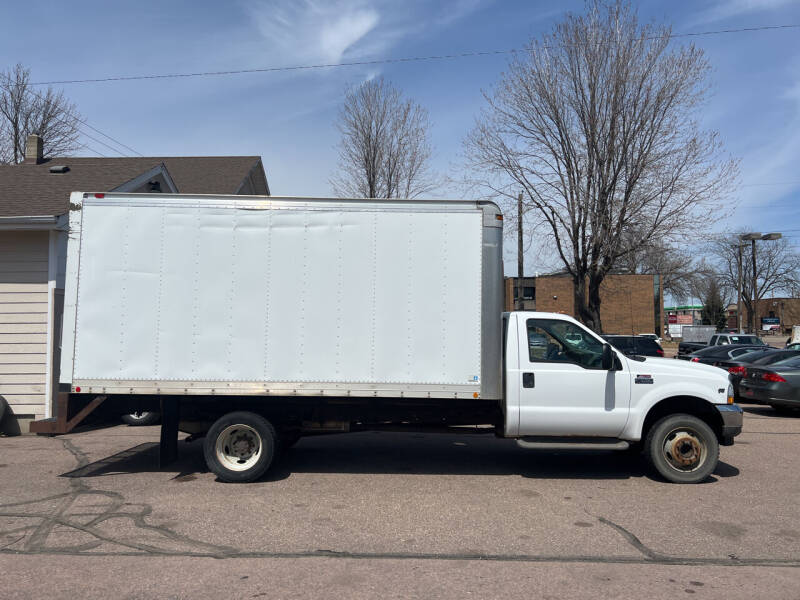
x=241 y=295
x=253 y=321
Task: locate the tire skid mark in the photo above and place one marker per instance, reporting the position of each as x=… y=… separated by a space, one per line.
x=35 y=537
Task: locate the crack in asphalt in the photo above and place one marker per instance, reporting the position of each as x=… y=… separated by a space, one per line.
x=34 y=537
x=634 y=541
x=112 y=506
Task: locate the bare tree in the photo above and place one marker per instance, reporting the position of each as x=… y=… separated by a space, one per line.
x=675 y=267
x=384 y=150
x=596 y=125
x=24 y=111
x=714 y=302
x=777 y=270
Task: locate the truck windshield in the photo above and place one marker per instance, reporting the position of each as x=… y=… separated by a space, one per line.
x=562 y=341
x=746 y=339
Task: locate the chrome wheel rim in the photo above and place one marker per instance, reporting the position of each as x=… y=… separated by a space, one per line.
x=684 y=450
x=238 y=447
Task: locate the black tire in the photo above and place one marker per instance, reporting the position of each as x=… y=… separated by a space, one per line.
x=142 y=418
x=784 y=410
x=693 y=451
x=240 y=447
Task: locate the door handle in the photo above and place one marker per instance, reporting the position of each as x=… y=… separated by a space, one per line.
x=528 y=380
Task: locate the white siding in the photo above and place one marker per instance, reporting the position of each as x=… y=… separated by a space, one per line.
x=23 y=320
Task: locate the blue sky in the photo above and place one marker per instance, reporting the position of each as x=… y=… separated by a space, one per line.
x=288 y=117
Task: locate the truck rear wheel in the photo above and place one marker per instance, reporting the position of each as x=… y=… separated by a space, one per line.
x=682 y=448
x=240 y=447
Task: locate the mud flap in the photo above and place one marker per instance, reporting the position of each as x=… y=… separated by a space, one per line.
x=170 y=415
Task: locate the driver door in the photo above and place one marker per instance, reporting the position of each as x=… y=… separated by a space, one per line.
x=564 y=391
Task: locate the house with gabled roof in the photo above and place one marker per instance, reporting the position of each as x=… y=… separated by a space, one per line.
x=34 y=203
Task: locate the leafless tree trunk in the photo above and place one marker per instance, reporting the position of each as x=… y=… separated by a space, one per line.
x=384 y=150
x=596 y=123
x=676 y=267
x=24 y=110
x=777 y=269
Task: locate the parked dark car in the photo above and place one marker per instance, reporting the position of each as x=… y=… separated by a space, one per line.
x=777 y=385
x=720 y=355
x=720 y=339
x=634 y=345
x=737 y=367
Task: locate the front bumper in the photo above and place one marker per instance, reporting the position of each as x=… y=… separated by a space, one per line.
x=732 y=419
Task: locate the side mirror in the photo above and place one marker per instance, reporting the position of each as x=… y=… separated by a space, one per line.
x=608 y=357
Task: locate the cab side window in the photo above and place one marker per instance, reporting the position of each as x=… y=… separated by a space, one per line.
x=561 y=341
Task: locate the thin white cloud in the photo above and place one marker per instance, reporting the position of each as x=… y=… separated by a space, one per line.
x=310 y=30
x=340 y=35
x=457 y=10
x=726 y=9
x=775 y=163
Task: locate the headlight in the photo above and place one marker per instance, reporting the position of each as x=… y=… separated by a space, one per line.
x=730 y=393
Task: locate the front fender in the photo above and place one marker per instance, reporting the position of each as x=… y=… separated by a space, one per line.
x=646 y=401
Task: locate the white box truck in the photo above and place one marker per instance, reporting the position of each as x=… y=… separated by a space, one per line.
x=253 y=321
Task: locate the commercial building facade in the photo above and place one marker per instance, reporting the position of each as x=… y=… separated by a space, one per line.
x=629 y=304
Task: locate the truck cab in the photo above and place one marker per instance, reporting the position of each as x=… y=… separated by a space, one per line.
x=566 y=385
x=724 y=339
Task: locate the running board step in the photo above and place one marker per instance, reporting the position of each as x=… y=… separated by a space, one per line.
x=572 y=443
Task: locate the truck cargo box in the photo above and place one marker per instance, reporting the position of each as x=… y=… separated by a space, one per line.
x=177 y=294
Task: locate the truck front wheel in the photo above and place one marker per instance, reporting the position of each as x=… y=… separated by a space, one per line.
x=240 y=447
x=141 y=418
x=682 y=448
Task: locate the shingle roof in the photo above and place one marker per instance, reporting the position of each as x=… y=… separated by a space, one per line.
x=31 y=190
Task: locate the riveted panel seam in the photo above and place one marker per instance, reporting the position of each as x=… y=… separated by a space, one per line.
x=124 y=287
x=161 y=259
x=267 y=292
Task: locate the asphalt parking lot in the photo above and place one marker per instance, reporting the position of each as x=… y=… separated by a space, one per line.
x=396 y=515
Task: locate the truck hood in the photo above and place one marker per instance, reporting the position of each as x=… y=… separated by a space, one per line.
x=671 y=368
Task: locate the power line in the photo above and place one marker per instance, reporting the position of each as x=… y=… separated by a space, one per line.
x=107 y=136
x=773 y=183
x=382 y=61
x=103 y=143
x=82 y=121
x=776 y=205
x=88 y=147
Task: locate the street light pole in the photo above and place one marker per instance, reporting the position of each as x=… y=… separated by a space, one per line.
x=520 y=256
x=752 y=237
x=753 y=315
x=739 y=292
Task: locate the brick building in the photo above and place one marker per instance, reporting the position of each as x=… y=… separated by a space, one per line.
x=628 y=303
x=784 y=312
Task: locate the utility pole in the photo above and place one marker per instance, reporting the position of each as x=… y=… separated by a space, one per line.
x=520 y=254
